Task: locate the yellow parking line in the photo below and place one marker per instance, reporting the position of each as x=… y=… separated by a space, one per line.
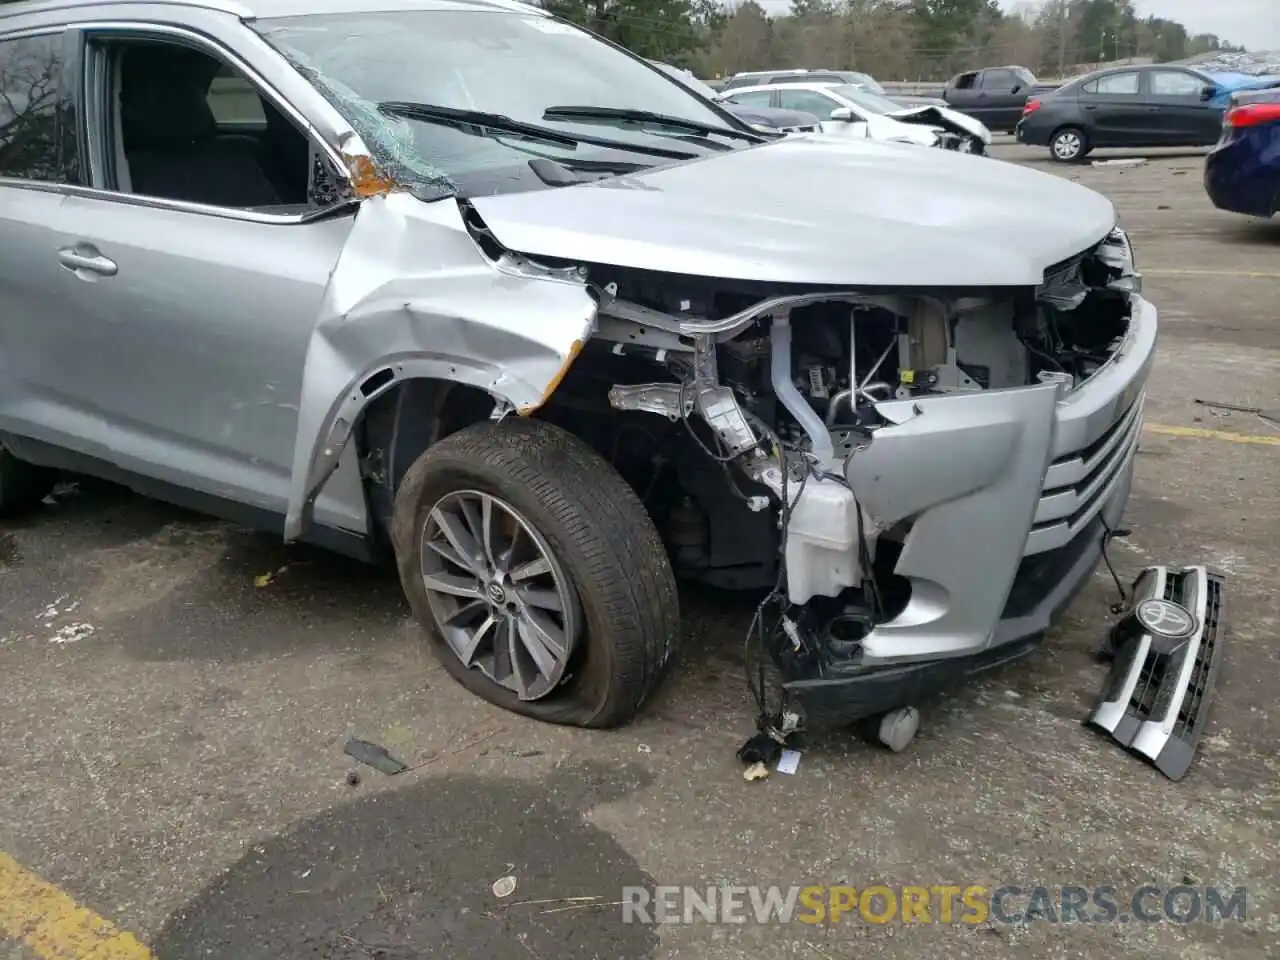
x=55 y=927
x=1233 y=274
x=1200 y=433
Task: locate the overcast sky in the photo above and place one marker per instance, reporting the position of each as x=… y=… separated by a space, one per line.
x=1253 y=23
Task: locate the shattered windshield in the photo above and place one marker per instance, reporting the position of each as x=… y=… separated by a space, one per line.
x=374 y=66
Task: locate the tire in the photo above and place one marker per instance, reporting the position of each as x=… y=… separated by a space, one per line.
x=1069 y=145
x=606 y=559
x=22 y=485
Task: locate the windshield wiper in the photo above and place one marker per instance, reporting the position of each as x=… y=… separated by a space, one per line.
x=643 y=116
x=494 y=121
x=431 y=113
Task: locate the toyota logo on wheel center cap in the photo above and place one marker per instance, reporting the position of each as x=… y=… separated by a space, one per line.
x=1166 y=619
x=497 y=595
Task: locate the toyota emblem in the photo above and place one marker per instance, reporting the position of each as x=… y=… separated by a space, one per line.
x=1164 y=618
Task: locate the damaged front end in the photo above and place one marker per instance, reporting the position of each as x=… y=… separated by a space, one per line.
x=919 y=478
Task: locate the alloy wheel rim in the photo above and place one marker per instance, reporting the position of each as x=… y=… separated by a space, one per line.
x=501 y=600
x=1067 y=145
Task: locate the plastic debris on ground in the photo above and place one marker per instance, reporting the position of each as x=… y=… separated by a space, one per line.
x=504 y=886
x=1121 y=162
x=373 y=755
x=757 y=771
x=789 y=762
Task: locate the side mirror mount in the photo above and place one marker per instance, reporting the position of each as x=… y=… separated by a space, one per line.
x=1208 y=92
x=842 y=113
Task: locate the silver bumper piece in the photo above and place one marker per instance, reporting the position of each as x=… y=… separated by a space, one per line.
x=990 y=480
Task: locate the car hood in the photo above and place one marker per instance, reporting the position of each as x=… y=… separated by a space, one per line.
x=946 y=118
x=818 y=210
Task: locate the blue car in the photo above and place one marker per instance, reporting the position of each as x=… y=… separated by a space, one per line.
x=1242 y=173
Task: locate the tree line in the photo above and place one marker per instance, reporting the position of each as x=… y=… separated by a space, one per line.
x=889 y=39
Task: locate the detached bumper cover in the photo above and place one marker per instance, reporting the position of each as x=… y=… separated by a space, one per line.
x=1156 y=699
x=1006 y=493
x=988 y=482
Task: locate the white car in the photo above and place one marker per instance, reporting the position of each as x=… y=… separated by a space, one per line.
x=843 y=104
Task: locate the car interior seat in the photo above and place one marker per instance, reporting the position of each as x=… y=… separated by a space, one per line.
x=171 y=141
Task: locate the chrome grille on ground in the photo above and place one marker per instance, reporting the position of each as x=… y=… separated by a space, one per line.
x=1077 y=485
x=1156 y=698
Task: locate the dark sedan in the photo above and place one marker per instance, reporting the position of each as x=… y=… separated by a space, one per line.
x=1242 y=173
x=1156 y=106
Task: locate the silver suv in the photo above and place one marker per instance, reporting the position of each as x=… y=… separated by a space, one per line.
x=468 y=286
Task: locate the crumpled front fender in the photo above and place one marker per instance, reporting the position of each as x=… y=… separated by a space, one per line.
x=413 y=296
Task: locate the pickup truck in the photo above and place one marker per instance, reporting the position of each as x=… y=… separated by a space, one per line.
x=994 y=95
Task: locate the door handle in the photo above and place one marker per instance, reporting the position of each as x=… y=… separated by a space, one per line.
x=87 y=259
x=1091 y=106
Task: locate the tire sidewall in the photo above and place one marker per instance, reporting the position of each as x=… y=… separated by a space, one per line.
x=586 y=684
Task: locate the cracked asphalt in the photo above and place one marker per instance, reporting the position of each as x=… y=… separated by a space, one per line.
x=175 y=694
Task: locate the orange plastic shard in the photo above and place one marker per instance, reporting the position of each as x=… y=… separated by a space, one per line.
x=366 y=181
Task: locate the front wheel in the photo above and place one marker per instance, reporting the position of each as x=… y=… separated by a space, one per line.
x=1069 y=145
x=535 y=570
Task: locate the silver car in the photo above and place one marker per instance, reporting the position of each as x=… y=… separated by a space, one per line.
x=462 y=284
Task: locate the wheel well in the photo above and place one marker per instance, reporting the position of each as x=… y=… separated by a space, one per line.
x=401 y=423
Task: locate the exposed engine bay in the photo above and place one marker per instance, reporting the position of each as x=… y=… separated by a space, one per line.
x=731 y=410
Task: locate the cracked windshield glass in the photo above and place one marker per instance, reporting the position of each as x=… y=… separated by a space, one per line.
x=459 y=102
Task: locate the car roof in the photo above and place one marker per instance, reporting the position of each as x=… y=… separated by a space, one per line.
x=810 y=85
x=253 y=9
x=1134 y=68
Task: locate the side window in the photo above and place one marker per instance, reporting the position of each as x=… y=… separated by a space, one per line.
x=183 y=124
x=807 y=101
x=755 y=98
x=966 y=81
x=999 y=81
x=29 y=108
x=1174 y=83
x=1115 y=85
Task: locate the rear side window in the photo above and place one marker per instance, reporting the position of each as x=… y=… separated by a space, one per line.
x=807 y=101
x=756 y=98
x=30 y=113
x=1115 y=85
x=1002 y=80
x=1174 y=83
x=965 y=81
